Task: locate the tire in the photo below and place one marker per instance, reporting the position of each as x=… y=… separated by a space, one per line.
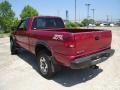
x=94 y=67
x=46 y=65
x=13 y=47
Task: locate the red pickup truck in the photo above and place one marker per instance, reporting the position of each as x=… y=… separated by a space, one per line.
x=55 y=46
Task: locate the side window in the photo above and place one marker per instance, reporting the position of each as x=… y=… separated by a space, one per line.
x=23 y=25
x=39 y=23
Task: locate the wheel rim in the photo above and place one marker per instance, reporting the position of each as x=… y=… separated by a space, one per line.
x=43 y=65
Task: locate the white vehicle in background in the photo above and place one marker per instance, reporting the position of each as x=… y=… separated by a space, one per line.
x=105 y=24
x=102 y=25
x=112 y=25
x=92 y=25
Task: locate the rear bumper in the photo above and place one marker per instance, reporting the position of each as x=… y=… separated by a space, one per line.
x=91 y=59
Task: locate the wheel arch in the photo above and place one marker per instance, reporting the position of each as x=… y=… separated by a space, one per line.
x=43 y=46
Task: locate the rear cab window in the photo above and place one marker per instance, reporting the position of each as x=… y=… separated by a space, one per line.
x=40 y=22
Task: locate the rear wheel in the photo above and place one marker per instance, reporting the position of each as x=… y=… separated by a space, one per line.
x=45 y=64
x=13 y=47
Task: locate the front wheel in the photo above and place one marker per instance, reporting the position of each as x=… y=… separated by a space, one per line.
x=45 y=65
x=13 y=47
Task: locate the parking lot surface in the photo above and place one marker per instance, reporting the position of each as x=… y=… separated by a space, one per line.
x=19 y=72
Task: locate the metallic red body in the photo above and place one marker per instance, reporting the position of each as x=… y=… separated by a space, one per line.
x=80 y=42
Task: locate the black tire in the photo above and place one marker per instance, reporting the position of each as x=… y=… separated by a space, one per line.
x=47 y=64
x=94 y=67
x=13 y=47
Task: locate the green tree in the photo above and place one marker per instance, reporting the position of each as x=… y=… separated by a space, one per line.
x=28 y=11
x=6 y=16
x=86 y=22
x=71 y=24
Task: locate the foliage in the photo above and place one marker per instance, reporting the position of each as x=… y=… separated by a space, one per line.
x=16 y=22
x=6 y=16
x=74 y=24
x=79 y=24
x=86 y=22
x=70 y=24
x=97 y=24
x=28 y=11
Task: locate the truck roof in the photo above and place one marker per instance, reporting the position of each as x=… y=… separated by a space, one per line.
x=46 y=16
x=42 y=17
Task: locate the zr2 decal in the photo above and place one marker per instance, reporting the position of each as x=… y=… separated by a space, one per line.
x=57 y=37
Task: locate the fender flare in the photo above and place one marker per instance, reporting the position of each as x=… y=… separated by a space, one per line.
x=45 y=44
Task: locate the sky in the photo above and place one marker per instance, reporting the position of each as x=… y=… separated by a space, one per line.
x=103 y=8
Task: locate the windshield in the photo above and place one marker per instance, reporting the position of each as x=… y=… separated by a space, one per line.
x=47 y=23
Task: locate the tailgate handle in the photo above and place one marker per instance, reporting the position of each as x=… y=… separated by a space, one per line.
x=97 y=38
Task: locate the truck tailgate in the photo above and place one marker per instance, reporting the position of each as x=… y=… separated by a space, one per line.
x=93 y=41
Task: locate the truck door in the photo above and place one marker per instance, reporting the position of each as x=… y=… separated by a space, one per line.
x=22 y=34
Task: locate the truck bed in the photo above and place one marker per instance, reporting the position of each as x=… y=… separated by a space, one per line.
x=74 y=30
x=87 y=41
